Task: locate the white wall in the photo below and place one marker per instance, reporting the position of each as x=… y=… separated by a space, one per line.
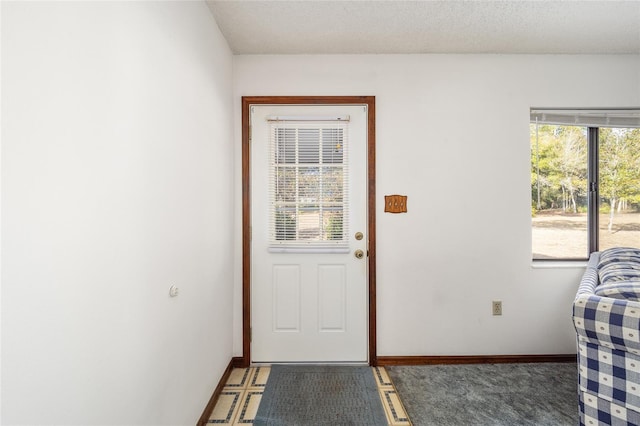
x=453 y=135
x=117 y=160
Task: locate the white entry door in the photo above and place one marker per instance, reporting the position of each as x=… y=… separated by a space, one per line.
x=309 y=287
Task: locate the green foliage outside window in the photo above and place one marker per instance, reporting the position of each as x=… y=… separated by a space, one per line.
x=559 y=168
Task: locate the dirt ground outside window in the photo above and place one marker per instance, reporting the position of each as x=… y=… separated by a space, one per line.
x=564 y=236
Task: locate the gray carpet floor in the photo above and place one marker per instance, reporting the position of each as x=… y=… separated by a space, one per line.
x=489 y=394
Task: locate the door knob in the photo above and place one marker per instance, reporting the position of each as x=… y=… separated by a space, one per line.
x=359 y=254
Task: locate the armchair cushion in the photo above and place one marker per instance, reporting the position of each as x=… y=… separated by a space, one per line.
x=629 y=290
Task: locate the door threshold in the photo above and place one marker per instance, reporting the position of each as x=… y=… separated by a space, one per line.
x=333 y=363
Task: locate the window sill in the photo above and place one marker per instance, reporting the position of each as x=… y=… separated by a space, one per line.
x=557 y=264
x=311 y=250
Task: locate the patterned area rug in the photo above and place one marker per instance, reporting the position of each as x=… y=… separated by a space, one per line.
x=320 y=395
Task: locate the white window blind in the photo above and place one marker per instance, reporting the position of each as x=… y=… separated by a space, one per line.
x=618 y=117
x=308 y=183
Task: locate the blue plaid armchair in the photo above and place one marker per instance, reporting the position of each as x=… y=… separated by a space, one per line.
x=606 y=316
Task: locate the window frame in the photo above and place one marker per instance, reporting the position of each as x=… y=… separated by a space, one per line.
x=593 y=181
x=339 y=125
x=592 y=120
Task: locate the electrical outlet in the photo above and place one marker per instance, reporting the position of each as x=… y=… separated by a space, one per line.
x=496 y=307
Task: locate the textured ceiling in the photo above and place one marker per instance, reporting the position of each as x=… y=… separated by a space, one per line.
x=453 y=26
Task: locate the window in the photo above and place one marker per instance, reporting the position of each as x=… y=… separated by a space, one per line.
x=308 y=183
x=585 y=181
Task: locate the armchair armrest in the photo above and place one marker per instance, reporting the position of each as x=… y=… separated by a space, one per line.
x=608 y=322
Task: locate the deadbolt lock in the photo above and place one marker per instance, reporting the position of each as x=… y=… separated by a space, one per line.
x=359 y=236
x=359 y=254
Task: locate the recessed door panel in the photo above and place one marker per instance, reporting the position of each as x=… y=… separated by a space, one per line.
x=332 y=301
x=286 y=298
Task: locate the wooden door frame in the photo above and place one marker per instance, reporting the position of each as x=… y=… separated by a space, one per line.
x=247 y=102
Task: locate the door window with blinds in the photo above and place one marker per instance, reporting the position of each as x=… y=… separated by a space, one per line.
x=308 y=183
